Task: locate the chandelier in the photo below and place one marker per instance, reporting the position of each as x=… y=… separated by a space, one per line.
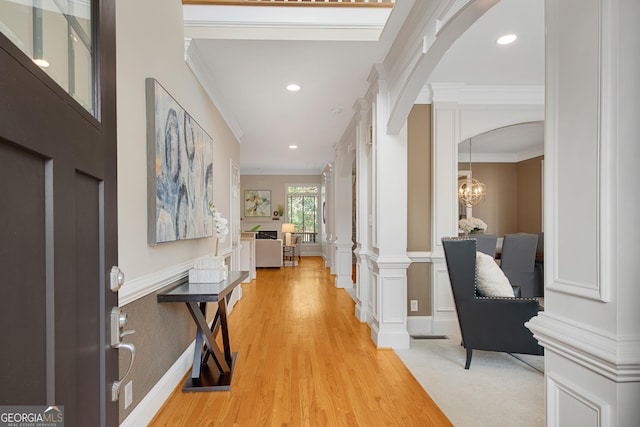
x=471 y=191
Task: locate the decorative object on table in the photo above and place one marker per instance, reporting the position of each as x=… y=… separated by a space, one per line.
x=471 y=225
x=471 y=191
x=280 y=210
x=257 y=203
x=287 y=229
x=209 y=269
x=220 y=225
x=212 y=269
x=179 y=170
x=276 y=213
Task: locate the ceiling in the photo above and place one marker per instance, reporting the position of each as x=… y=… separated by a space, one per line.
x=251 y=53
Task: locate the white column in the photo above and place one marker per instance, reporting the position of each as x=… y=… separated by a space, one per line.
x=342 y=180
x=363 y=156
x=446 y=134
x=590 y=326
x=328 y=213
x=389 y=320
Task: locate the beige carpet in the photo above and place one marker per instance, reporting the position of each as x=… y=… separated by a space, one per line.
x=498 y=389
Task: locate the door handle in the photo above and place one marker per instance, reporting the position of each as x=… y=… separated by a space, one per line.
x=115 y=388
x=118 y=322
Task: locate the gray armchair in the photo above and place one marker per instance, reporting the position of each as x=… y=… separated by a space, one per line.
x=486 y=323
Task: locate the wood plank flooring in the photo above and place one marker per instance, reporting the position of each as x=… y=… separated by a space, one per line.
x=304 y=360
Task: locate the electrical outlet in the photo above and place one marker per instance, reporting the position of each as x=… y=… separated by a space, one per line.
x=414 y=305
x=128 y=394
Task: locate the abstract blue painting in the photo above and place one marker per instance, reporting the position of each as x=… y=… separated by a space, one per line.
x=179 y=172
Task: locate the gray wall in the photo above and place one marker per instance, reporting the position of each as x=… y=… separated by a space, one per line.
x=163 y=332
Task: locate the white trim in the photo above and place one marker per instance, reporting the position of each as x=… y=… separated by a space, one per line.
x=394 y=339
x=142 y=286
x=421 y=256
x=149 y=406
x=420 y=325
x=598 y=249
x=144 y=412
x=593 y=406
x=249 y=170
x=284 y=23
x=391 y=262
x=197 y=65
x=503 y=157
x=462 y=94
x=616 y=357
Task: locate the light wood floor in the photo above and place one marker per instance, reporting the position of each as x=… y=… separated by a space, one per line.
x=304 y=360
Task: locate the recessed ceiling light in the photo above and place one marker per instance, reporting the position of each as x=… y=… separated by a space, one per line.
x=293 y=87
x=506 y=39
x=293 y=147
x=336 y=110
x=41 y=62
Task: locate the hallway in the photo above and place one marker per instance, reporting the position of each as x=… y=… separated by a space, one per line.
x=304 y=359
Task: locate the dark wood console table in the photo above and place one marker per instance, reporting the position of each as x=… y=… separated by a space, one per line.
x=204 y=376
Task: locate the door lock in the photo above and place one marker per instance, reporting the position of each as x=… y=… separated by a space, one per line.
x=116 y=278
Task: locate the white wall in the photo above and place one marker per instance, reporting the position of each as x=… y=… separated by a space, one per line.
x=150 y=43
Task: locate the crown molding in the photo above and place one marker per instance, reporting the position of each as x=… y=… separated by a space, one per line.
x=284 y=23
x=260 y=171
x=198 y=67
x=482 y=95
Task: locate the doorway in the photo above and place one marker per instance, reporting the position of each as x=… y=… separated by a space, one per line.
x=58 y=228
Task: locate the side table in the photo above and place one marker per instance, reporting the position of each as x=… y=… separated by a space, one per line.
x=287 y=254
x=205 y=376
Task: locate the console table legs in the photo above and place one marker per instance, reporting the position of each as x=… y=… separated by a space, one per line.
x=203 y=376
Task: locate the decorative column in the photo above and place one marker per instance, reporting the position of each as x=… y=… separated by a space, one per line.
x=389 y=316
x=328 y=215
x=446 y=134
x=590 y=326
x=342 y=213
x=362 y=252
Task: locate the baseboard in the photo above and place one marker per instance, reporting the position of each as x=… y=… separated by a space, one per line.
x=158 y=395
x=153 y=401
x=420 y=325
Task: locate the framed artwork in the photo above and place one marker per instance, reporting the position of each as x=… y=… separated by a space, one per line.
x=257 y=203
x=179 y=170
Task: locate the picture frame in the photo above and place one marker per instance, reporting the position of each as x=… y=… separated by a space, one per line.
x=179 y=170
x=257 y=203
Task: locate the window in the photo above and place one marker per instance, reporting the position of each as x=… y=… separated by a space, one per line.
x=59 y=37
x=302 y=211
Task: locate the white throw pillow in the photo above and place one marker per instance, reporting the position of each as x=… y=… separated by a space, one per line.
x=491 y=280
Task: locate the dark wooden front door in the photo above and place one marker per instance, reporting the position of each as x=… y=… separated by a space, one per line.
x=58 y=236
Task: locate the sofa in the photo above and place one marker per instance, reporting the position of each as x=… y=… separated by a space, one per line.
x=269 y=253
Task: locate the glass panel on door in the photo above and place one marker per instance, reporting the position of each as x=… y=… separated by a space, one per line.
x=57 y=35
